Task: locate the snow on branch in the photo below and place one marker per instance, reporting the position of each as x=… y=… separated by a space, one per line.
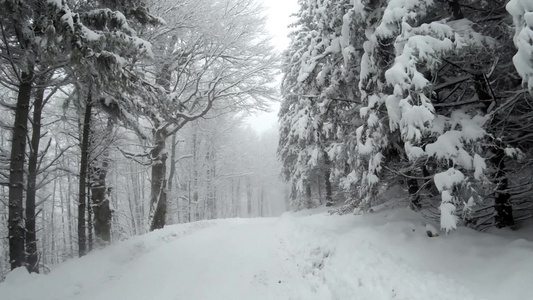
x=522 y=12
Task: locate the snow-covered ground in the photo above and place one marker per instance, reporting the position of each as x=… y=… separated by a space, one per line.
x=307 y=255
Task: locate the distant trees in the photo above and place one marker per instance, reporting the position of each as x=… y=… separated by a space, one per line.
x=438 y=98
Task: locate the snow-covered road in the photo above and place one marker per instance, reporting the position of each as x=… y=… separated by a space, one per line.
x=233 y=260
x=379 y=256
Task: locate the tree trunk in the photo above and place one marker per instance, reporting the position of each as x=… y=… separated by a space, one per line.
x=89 y=217
x=82 y=191
x=329 y=194
x=158 y=197
x=99 y=194
x=32 y=255
x=69 y=216
x=414 y=197
x=502 y=205
x=455 y=9
x=172 y=171
x=238 y=199
x=210 y=197
x=16 y=173
x=249 y=196
x=308 y=195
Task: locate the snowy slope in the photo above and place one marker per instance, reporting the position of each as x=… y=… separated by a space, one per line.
x=307 y=255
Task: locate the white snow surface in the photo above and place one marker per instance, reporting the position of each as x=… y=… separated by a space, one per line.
x=385 y=254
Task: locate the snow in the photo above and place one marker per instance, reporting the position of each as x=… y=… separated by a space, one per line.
x=386 y=254
x=522 y=12
x=307 y=255
x=479 y=166
x=448 y=179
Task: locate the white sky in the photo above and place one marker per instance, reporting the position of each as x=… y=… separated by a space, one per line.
x=279 y=12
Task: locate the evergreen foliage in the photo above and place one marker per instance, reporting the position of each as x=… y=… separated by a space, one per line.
x=438 y=99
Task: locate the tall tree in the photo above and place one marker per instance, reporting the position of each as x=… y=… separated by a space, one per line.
x=197 y=71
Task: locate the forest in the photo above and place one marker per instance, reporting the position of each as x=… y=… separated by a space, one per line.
x=118 y=117
x=121 y=117
x=434 y=96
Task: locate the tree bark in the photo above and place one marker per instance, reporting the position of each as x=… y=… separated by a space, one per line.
x=32 y=255
x=82 y=191
x=158 y=197
x=414 y=197
x=502 y=205
x=90 y=222
x=99 y=194
x=16 y=172
x=308 y=195
x=455 y=9
x=329 y=194
x=172 y=171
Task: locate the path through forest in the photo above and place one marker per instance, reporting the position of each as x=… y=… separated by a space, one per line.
x=309 y=255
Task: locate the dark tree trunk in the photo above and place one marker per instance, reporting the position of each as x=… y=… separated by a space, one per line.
x=502 y=205
x=32 y=255
x=90 y=222
x=308 y=195
x=455 y=9
x=16 y=173
x=158 y=197
x=99 y=194
x=329 y=193
x=82 y=191
x=414 y=197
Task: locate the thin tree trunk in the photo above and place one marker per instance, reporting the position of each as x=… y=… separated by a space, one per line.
x=189 y=204
x=308 y=195
x=16 y=173
x=53 y=250
x=90 y=222
x=44 y=229
x=82 y=191
x=238 y=199
x=62 y=203
x=412 y=188
x=502 y=205
x=69 y=216
x=329 y=193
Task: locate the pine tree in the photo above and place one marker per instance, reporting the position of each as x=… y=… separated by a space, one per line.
x=318 y=89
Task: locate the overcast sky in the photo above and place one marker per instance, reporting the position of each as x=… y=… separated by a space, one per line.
x=279 y=12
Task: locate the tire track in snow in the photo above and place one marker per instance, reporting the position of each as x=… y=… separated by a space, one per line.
x=346 y=265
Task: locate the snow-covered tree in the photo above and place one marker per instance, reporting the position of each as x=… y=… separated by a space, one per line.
x=435 y=86
x=521 y=10
x=208 y=55
x=318 y=89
